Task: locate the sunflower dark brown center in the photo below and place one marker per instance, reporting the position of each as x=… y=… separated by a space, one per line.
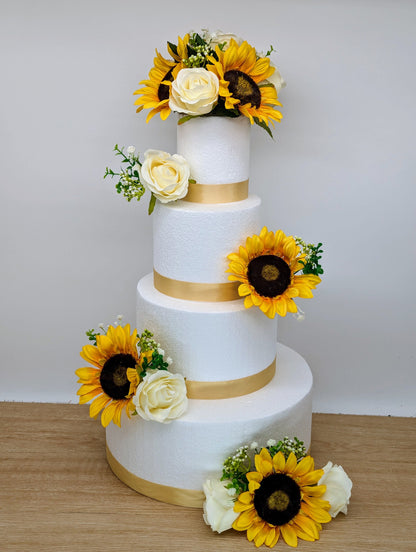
x=277 y=500
x=163 y=90
x=113 y=377
x=243 y=87
x=269 y=275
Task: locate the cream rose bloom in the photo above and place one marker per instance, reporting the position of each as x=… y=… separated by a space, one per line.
x=276 y=79
x=194 y=91
x=338 y=488
x=161 y=396
x=219 y=505
x=165 y=175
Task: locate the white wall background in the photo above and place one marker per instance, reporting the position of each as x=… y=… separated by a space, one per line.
x=341 y=171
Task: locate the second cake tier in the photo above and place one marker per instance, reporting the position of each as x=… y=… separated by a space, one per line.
x=210 y=341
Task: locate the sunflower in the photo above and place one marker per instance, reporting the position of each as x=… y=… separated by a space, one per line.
x=114 y=380
x=155 y=94
x=243 y=85
x=282 y=498
x=266 y=268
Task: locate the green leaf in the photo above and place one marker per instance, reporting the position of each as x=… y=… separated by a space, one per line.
x=263 y=125
x=173 y=47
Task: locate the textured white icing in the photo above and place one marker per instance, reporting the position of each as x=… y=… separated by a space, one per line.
x=191 y=241
x=191 y=449
x=216 y=148
x=207 y=341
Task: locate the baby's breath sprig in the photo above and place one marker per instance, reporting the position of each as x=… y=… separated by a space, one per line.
x=311 y=264
x=147 y=344
x=235 y=468
x=198 y=51
x=239 y=464
x=129 y=176
x=286 y=446
x=102 y=330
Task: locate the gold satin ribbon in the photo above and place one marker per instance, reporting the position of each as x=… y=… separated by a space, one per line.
x=230 y=388
x=193 y=291
x=164 y=493
x=217 y=193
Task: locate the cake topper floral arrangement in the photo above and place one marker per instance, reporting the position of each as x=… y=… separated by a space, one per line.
x=212 y=74
x=209 y=74
x=130 y=373
x=275 y=491
x=273 y=269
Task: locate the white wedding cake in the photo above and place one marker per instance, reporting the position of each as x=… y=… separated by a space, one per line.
x=242 y=385
x=228 y=427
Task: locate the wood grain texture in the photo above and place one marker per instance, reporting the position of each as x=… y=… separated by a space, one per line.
x=58 y=494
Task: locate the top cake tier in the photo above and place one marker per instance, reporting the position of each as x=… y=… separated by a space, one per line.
x=217 y=149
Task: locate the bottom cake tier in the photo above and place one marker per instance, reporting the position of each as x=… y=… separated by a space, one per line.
x=170 y=462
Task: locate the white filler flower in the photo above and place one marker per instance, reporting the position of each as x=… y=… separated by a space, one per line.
x=218 y=506
x=194 y=91
x=338 y=488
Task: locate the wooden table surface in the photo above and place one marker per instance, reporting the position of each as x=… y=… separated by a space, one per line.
x=57 y=492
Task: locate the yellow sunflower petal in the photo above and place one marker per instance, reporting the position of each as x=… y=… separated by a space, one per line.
x=87 y=388
x=317 y=514
x=108 y=413
x=311 y=478
x=91 y=354
x=271 y=536
x=88 y=396
x=307 y=525
x=240 y=507
x=261 y=536
x=254 y=530
x=263 y=462
x=245 y=498
x=289 y=535
x=253 y=486
x=291 y=463
x=244 y=520
x=304 y=466
x=244 y=290
x=254 y=476
x=279 y=462
x=98 y=404
x=315 y=490
x=87 y=374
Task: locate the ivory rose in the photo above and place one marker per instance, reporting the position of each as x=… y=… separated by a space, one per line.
x=219 y=505
x=276 y=79
x=166 y=176
x=338 y=488
x=194 y=91
x=161 y=396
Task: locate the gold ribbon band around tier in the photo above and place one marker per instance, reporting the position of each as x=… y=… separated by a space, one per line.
x=193 y=291
x=164 y=493
x=211 y=390
x=217 y=193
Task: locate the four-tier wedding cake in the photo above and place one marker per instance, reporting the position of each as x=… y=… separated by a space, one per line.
x=202 y=383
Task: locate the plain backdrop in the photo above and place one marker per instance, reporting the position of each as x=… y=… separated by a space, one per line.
x=341 y=170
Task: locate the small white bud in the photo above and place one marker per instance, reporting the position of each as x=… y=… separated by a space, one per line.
x=271 y=442
x=131 y=150
x=254 y=445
